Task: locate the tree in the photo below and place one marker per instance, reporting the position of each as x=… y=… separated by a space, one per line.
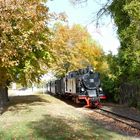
x=24 y=42
x=127 y=17
x=74 y=48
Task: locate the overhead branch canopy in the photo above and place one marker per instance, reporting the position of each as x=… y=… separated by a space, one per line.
x=24 y=39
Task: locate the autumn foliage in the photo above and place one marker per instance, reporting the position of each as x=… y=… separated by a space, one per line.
x=24 y=39
x=74 y=48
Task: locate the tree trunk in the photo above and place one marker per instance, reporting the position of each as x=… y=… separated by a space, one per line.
x=3 y=87
x=6 y=94
x=3 y=97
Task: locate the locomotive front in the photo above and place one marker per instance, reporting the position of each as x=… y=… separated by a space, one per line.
x=90 y=87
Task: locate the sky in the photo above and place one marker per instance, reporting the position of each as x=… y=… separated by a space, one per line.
x=84 y=14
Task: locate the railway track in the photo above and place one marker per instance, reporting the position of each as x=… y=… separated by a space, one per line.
x=119 y=117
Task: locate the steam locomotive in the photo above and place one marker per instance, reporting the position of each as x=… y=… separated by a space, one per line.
x=83 y=86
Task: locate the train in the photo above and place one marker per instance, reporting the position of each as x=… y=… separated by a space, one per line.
x=82 y=86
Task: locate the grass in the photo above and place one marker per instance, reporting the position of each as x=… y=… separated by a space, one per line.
x=43 y=117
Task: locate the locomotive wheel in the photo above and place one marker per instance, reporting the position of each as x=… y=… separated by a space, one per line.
x=77 y=100
x=74 y=99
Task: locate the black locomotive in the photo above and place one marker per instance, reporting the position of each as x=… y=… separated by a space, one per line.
x=82 y=86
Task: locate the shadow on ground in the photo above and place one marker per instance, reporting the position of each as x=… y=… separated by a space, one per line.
x=69 y=101
x=58 y=128
x=18 y=103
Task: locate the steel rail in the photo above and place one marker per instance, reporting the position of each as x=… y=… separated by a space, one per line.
x=120 y=115
x=121 y=118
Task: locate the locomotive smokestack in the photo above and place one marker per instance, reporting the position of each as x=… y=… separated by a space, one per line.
x=90 y=69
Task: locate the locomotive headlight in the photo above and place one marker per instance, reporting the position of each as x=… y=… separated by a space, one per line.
x=82 y=89
x=100 y=89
